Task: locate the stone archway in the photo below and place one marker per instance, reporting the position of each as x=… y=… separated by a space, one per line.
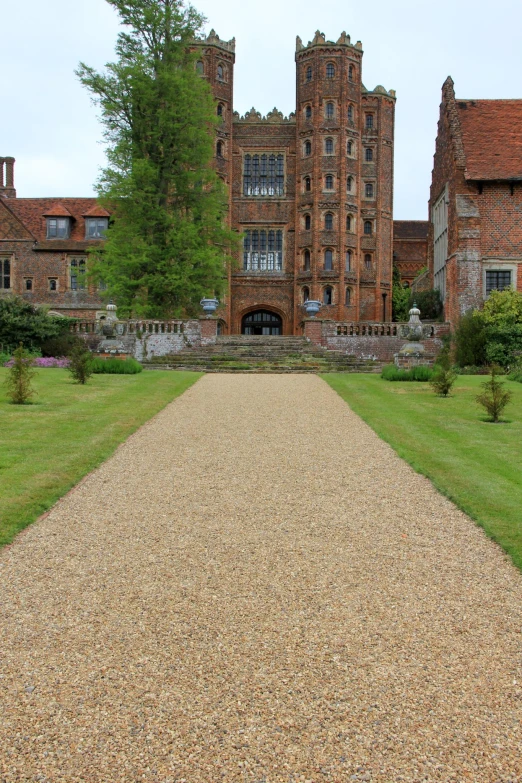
x=262 y=322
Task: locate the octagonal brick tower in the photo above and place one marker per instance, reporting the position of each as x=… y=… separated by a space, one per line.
x=344 y=184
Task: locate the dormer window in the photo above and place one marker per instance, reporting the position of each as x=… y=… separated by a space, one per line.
x=95 y=228
x=58 y=228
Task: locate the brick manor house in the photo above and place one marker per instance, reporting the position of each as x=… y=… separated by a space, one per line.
x=312 y=194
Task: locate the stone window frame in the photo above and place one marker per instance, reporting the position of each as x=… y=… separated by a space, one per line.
x=329 y=221
x=331 y=260
x=28 y=279
x=307 y=180
x=351 y=223
x=308 y=111
x=351 y=73
x=369 y=121
x=276 y=153
x=223 y=78
x=369 y=154
x=305 y=296
x=308 y=74
x=368 y=261
x=307 y=259
x=6 y=271
x=220 y=110
x=330 y=70
x=327 y=176
x=278 y=263
x=327 y=141
x=331 y=289
x=220 y=149
x=350 y=113
x=353 y=183
x=348 y=297
x=307 y=221
x=497 y=265
x=307 y=143
x=200 y=71
x=368 y=222
x=373 y=185
x=50 y=220
x=351 y=149
x=349 y=256
x=327 y=114
x=50 y=281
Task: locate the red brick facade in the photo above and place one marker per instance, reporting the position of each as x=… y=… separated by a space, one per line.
x=331 y=211
x=410 y=248
x=476 y=192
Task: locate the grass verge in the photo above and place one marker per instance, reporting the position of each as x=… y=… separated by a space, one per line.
x=68 y=430
x=478 y=465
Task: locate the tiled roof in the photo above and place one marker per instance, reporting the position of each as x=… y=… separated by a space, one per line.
x=32 y=211
x=57 y=210
x=96 y=211
x=492 y=138
x=410 y=229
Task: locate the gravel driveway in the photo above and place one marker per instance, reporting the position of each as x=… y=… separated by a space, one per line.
x=255 y=588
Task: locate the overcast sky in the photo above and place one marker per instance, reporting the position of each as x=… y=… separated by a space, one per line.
x=50 y=126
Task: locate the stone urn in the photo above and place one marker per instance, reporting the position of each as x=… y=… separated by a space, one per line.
x=412 y=352
x=209 y=306
x=312 y=307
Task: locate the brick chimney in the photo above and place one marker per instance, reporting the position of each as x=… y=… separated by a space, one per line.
x=7 y=188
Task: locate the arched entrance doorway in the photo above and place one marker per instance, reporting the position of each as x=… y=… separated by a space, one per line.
x=261 y=322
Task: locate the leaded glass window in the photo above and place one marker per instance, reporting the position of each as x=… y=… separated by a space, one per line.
x=306 y=294
x=308 y=222
x=308 y=148
x=348 y=222
x=348 y=297
x=330 y=71
x=349 y=184
x=368 y=261
x=328 y=221
x=78 y=270
x=329 y=182
x=200 y=68
x=220 y=110
x=5 y=273
x=306 y=260
x=330 y=111
x=328 y=296
x=350 y=113
x=348 y=261
x=368 y=154
x=308 y=112
x=328 y=260
x=329 y=146
x=220 y=73
x=350 y=73
x=264 y=175
x=349 y=147
x=309 y=74
x=368 y=190
x=369 y=120
x=308 y=184
x=368 y=227
x=263 y=250
x=497 y=280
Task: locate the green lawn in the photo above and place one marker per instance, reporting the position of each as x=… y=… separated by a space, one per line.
x=475 y=463
x=46 y=447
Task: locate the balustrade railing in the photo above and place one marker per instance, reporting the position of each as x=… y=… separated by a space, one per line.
x=383 y=329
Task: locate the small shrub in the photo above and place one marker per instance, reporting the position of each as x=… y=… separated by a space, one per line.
x=18 y=381
x=495 y=397
x=420 y=373
x=442 y=380
x=4 y=358
x=80 y=364
x=116 y=366
x=61 y=345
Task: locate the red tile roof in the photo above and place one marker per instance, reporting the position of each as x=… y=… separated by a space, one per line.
x=57 y=210
x=410 y=229
x=492 y=138
x=96 y=211
x=32 y=212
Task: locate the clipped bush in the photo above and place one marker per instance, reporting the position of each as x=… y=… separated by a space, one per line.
x=495 y=397
x=18 y=381
x=470 y=340
x=116 y=366
x=421 y=373
x=61 y=345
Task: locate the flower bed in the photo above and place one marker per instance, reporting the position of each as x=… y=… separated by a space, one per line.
x=44 y=361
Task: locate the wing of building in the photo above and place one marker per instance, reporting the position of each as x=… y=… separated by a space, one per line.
x=475 y=233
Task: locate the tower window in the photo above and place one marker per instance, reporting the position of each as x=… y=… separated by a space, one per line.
x=348 y=297
x=329 y=182
x=263 y=250
x=264 y=175
x=220 y=73
x=328 y=260
x=368 y=190
x=309 y=74
x=308 y=184
x=349 y=184
x=349 y=147
x=200 y=68
x=328 y=295
x=306 y=294
x=350 y=113
x=368 y=154
x=330 y=71
x=308 y=222
x=308 y=148
x=308 y=112
x=220 y=110
x=329 y=146
x=306 y=261
x=368 y=259
x=219 y=149
x=351 y=71
x=348 y=261
x=348 y=222
x=369 y=121
x=368 y=228
x=328 y=221
x=330 y=111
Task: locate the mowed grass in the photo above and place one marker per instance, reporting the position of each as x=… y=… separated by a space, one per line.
x=68 y=430
x=475 y=463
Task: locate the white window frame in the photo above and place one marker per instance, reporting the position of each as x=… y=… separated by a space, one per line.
x=439 y=218
x=499 y=266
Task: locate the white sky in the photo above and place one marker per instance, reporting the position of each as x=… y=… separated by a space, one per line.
x=51 y=128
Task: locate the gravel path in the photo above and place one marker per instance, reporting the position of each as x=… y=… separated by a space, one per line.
x=255 y=588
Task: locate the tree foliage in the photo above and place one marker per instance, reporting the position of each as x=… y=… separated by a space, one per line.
x=168 y=244
x=20 y=322
x=470 y=340
x=80 y=364
x=494 y=396
x=400 y=297
x=444 y=376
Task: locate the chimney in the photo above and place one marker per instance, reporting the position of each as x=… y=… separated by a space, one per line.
x=7 y=188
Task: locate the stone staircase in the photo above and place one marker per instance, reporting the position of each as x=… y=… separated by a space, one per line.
x=266 y=354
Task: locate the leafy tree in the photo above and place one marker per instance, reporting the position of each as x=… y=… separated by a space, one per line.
x=80 y=364
x=20 y=322
x=503 y=308
x=168 y=244
x=444 y=375
x=429 y=303
x=400 y=297
x=19 y=377
x=495 y=397
x=470 y=340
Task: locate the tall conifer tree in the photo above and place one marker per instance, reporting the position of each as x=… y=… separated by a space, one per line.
x=168 y=244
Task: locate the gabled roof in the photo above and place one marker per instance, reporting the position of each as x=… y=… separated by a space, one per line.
x=11 y=227
x=96 y=211
x=491 y=133
x=32 y=212
x=410 y=229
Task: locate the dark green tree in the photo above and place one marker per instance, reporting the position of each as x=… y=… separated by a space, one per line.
x=400 y=297
x=80 y=364
x=495 y=396
x=19 y=377
x=168 y=244
x=20 y=322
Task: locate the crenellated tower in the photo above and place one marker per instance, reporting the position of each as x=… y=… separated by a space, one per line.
x=344 y=183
